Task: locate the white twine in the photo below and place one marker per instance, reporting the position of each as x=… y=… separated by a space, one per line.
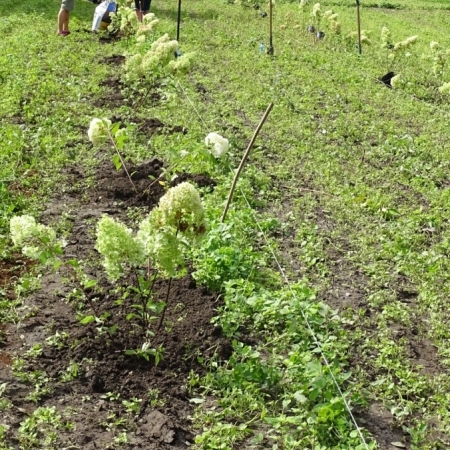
x=311 y=331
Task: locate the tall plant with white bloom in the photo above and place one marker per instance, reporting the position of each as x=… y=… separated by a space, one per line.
x=316 y=15
x=156 y=250
x=332 y=21
x=35 y=240
x=101 y=131
x=439 y=57
x=161 y=60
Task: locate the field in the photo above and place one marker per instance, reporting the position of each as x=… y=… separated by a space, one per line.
x=313 y=316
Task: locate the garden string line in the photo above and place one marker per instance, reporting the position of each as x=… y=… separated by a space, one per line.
x=311 y=331
x=191 y=103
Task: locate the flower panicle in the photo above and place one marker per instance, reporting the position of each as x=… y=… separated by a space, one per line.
x=217 y=144
x=33 y=238
x=98 y=131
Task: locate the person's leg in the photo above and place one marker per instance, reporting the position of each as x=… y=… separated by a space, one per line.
x=138 y=9
x=63 y=20
x=63 y=16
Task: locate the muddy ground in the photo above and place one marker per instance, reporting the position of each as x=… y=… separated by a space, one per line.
x=79 y=369
x=91 y=399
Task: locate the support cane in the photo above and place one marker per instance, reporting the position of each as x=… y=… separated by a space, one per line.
x=177 y=51
x=270 y=49
x=359 y=27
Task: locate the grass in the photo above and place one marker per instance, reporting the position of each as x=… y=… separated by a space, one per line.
x=356 y=175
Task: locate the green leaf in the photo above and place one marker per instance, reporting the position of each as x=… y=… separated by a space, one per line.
x=115 y=128
x=117 y=162
x=313 y=394
x=87 y=319
x=90 y=283
x=73 y=263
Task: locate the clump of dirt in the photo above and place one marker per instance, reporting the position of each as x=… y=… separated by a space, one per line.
x=113 y=60
x=153 y=125
x=91 y=396
x=201 y=180
x=12 y=268
x=140 y=191
x=113 y=97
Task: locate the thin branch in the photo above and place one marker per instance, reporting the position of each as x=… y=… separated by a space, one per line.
x=121 y=159
x=244 y=158
x=165 y=306
x=164 y=172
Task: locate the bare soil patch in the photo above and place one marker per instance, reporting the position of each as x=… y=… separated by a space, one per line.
x=187 y=336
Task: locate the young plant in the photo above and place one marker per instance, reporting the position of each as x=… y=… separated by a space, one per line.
x=101 y=131
x=439 y=57
x=37 y=241
x=316 y=16
x=155 y=251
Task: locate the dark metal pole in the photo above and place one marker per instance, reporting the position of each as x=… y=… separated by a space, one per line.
x=270 y=49
x=359 y=27
x=179 y=20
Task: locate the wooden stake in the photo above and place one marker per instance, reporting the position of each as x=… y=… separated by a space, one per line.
x=244 y=158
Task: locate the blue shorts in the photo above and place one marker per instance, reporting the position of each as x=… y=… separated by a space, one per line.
x=142 y=5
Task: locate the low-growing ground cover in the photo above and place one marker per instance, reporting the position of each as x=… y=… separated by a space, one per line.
x=347 y=186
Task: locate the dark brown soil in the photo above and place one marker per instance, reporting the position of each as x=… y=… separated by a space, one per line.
x=114 y=60
x=112 y=97
x=12 y=268
x=151 y=126
x=104 y=370
x=200 y=180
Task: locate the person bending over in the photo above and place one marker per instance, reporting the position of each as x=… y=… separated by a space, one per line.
x=142 y=7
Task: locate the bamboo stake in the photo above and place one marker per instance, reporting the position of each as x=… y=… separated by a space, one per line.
x=244 y=158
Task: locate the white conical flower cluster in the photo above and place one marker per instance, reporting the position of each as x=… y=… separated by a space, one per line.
x=160 y=60
x=445 y=88
x=177 y=221
x=98 y=130
x=34 y=238
x=217 y=144
x=117 y=245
